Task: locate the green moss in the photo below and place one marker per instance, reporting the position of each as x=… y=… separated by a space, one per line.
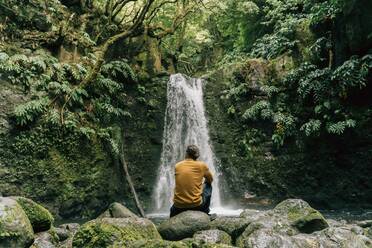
x=112 y=232
x=40 y=218
x=61 y=169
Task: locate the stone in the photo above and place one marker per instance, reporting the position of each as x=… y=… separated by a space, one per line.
x=233 y=226
x=184 y=225
x=62 y=233
x=301 y=215
x=114 y=232
x=264 y=238
x=212 y=237
x=15 y=228
x=284 y=226
x=40 y=218
x=364 y=223
x=117 y=210
x=44 y=240
x=158 y=244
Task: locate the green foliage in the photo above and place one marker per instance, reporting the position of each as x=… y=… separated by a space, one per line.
x=22 y=70
x=26 y=113
x=260 y=109
x=58 y=99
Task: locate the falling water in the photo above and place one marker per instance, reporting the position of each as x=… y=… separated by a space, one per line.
x=185 y=124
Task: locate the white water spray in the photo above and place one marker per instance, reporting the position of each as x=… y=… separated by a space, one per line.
x=185 y=124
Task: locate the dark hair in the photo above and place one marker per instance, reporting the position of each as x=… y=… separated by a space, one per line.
x=192 y=151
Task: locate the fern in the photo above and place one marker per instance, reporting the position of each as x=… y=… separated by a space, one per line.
x=339 y=127
x=119 y=70
x=270 y=90
x=254 y=112
x=311 y=127
x=28 y=112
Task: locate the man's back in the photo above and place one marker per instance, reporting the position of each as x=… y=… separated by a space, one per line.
x=189 y=180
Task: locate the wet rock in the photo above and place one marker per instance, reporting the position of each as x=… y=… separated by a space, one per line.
x=40 y=218
x=15 y=228
x=212 y=237
x=117 y=210
x=233 y=226
x=114 y=232
x=184 y=225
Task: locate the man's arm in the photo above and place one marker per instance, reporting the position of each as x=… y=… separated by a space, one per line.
x=208 y=175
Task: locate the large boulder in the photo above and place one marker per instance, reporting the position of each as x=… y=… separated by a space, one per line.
x=184 y=225
x=40 y=218
x=117 y=210
x=114 y=232
x=15 y=228
x=294 y=224
x=301 y=216
x=212 y=237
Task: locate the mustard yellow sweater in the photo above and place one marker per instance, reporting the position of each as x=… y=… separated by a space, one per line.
x=189 y=183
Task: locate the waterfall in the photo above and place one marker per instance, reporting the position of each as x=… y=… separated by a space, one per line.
x=185 y=124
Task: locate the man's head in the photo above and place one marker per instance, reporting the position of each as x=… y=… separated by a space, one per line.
x=192 y=151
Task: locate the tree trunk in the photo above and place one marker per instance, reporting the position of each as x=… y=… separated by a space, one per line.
x=131 y=185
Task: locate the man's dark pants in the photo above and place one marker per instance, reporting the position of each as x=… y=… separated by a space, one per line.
x=204 y=207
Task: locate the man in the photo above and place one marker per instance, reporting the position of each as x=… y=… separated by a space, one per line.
x=190 y=193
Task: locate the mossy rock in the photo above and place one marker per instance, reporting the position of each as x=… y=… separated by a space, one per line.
x=117 y=210
x=114 y=232
x=40 y=218
x=15 y=228
x=302 y=216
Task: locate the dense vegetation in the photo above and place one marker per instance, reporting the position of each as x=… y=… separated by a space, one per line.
x=289 y=96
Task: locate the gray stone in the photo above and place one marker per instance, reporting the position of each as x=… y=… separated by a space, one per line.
x=212 y=237
x=44 y=240
x=62 y=233
x=15 y=228
x=233 y=226
x=184 y=225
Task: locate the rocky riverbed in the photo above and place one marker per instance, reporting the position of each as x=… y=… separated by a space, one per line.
x=291 y=224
